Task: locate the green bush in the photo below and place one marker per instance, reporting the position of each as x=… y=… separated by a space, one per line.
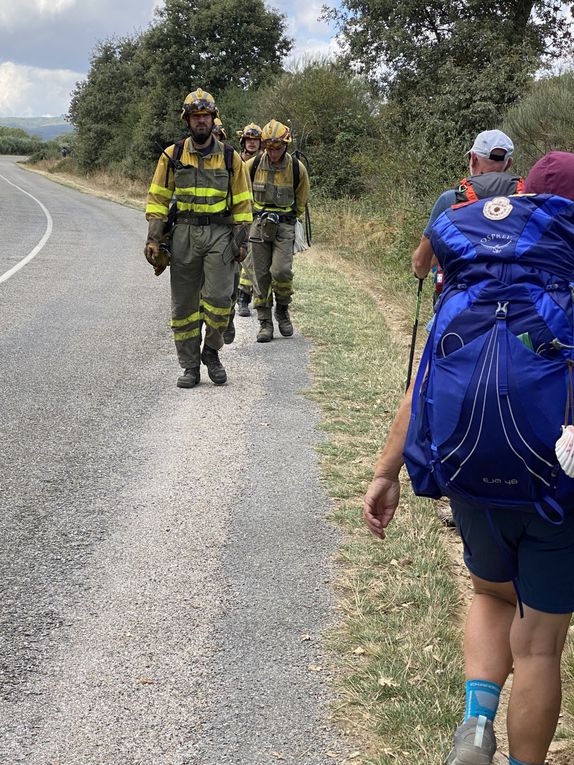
x=542 y=121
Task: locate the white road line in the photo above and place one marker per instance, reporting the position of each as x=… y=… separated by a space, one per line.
x=41 y=243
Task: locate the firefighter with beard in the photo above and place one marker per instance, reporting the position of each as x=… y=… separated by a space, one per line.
x=213 y=213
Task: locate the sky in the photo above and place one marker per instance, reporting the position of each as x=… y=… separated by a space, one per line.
x=45 y=45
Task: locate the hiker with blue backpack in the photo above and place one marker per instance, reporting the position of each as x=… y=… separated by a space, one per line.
x=488 y=423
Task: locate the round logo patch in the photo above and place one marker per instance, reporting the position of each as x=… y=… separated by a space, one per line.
x=497 y=208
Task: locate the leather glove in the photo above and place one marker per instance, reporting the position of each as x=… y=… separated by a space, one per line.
x=157 y=256
x=242 y=254
x=151 y=251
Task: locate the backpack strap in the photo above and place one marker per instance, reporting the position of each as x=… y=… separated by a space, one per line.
x=228 y=152
x=254 y=166
x=296 y=172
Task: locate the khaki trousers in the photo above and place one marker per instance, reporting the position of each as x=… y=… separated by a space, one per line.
x=202 y=275
x=272 y=266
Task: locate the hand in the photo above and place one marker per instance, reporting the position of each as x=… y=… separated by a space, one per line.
x=151 y=252
x=381 y=501
x=241 y=255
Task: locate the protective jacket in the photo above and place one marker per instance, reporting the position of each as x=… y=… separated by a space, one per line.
x=202 y=186
x=273 y=187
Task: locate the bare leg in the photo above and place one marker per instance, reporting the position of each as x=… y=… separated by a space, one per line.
x=537 y=642
x=487 y=651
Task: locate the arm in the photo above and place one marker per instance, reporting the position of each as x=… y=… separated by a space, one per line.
x=382 y=497
x=422 y=259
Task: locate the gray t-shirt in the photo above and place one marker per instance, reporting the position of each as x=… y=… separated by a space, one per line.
x=447 y=199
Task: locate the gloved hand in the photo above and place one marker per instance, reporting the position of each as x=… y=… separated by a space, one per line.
x=242 y=254
x=151 y=251
x=157 y=256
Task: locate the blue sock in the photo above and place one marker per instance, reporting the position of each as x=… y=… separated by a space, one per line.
x=514 y=761
x=482 y=699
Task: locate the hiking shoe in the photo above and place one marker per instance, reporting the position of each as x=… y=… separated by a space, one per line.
x=229 y=333
x=265 y=334
x=284 y=320
x=189 y=378
x=474 y=743
x=215 y=369
x=243 y=304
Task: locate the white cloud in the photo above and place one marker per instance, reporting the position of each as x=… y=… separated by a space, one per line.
x=17 y=14
x=27 y=91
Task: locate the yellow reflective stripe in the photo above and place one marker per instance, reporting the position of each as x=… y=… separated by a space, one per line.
x=187 y=335
x=161 y=209
x=192 y=207
x=242 y=217
x=272 y=209
x=217 y=324
x=215 y=310
x=192 y=191
x=259 y=302
x=182 y=322
x=246 y=281
x=160 y=191
x=243 y=197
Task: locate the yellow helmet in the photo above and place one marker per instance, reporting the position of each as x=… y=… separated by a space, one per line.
x=199 y=102
x=249 y=131
x=219 y=130
x=276 y=131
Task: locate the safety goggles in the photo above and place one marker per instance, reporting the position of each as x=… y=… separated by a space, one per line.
x=274 y=145
x=201 y=106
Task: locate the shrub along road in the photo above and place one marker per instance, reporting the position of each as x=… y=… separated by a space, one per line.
x=164 y=554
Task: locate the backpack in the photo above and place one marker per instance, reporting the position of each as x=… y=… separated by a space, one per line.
x=494 y=384
x=485 y=185
x=477 y=187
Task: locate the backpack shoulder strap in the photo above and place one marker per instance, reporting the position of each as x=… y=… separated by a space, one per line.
x=228 y=152
x=178 y=150
x=254 y=166
x=296 y=172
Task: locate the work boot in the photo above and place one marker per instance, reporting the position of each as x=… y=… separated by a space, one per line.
x=265 y=334
x=229 y=333
x=284 y=320
x=243 y=304
x=189 y=378
x=474 y=743
x=215 y=368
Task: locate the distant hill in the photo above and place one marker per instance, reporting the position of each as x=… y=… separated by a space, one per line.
x=45 y=128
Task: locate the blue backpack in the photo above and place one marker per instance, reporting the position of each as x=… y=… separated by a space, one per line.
x=494 y=384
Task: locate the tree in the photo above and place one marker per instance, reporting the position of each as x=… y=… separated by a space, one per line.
x=542 y=121
x=333 y=119
x=449 y=68
x=104 y=106
x=131 y=99
x=212 y=44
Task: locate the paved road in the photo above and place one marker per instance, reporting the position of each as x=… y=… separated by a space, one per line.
x=162 y=552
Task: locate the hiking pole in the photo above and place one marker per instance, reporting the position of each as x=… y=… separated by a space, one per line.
x=414 y=337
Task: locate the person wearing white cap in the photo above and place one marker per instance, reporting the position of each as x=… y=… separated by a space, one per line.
x=490 y=160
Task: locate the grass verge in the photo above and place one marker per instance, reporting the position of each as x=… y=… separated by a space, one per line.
x=398 y=643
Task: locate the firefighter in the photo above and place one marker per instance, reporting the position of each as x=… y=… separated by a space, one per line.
x=250 y=140
x=213 y=213
x=218 y=130
x=280 y=193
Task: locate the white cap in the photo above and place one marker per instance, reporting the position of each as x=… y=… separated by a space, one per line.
x=490 y=140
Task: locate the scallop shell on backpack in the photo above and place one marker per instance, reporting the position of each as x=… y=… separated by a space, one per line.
x=565 y=450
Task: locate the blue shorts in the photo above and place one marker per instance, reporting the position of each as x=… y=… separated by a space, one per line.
x=523 y=545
